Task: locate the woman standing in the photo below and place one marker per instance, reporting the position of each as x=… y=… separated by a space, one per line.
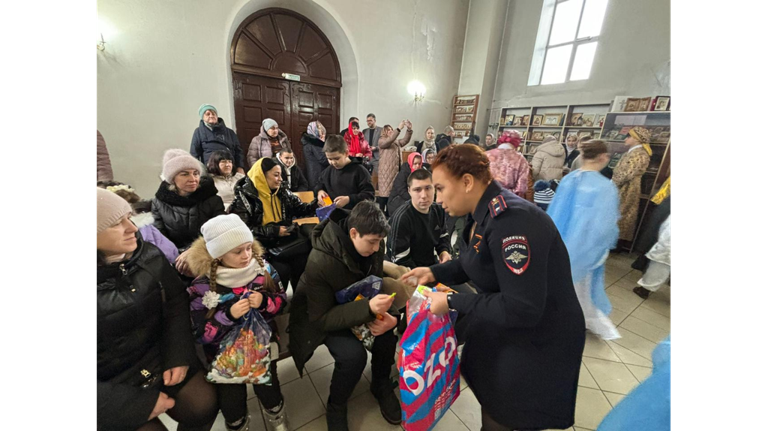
x=391 y=155
x=268 y=142
x=358 y=146
x=548 y=160
x=508 y=166
x=627 y=175
x=586 y=212
x=313 y=141
x=526 y=334
x=429 y=141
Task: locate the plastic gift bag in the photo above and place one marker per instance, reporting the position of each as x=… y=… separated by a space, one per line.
x=244 y=353
x=324 y=212
x=365 y=288
x=428 y=363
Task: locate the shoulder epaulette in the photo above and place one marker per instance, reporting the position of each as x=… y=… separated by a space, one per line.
x=497 y=206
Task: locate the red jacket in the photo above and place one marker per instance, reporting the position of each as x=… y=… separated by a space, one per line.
x=357 y=144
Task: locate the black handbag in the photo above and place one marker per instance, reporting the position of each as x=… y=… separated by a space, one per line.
x=295 y=244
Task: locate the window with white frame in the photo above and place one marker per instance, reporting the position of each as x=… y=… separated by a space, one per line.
x=566 y=41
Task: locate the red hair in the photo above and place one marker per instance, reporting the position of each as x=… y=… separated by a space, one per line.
x=464 y=159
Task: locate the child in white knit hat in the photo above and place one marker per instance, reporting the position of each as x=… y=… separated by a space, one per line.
x=228 y=260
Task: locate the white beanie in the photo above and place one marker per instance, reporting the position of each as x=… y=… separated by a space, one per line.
x=224 y=233
x=175 y=161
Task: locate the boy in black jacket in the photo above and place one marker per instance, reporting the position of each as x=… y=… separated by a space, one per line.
x=346 y=248
x=345 y=181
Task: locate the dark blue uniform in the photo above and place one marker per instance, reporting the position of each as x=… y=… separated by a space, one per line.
x=526 y=332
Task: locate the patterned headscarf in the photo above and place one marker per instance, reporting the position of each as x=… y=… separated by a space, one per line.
x=313 y=130
x=644 y=136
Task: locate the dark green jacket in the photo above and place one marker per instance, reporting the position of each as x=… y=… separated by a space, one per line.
x=332 y=265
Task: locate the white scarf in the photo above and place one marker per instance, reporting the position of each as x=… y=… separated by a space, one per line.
x=238 y=277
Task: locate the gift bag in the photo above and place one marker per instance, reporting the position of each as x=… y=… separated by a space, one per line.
x=428 y=363
x=324 y=212
x=244 y=353
x=365 y=288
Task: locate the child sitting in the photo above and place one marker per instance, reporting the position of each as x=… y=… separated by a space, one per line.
x=543 y=192
x=345 y=181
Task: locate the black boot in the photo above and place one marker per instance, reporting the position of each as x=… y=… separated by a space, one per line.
x=388 y=402
x=336 y=417
x=641 y=292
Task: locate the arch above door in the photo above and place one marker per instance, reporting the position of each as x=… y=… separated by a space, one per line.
x=275 y=41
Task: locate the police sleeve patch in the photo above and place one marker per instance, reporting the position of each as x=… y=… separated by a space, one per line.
x=516 y=253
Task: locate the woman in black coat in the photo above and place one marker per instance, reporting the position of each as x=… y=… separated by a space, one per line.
x=525 y=332
x=312 y=145
x=184 y=202
x=268 y=208
x=146 y=362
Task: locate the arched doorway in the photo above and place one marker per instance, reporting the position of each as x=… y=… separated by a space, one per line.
x=267 y=45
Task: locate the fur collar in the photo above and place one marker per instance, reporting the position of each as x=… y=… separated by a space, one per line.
x=199 y=260
x=141 y=220
x=206 y=190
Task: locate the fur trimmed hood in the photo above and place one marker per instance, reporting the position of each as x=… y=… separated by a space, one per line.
x=199 y=260
x=144 y=219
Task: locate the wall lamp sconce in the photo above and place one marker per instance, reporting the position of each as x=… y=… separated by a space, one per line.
x=101 y=45
x=418 y=90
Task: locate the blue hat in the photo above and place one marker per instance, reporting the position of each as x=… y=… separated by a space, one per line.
x=204 y=107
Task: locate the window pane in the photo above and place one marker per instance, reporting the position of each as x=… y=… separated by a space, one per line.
x=592 y=19
x=582 y=64
x=566 y=21
x=556 y=65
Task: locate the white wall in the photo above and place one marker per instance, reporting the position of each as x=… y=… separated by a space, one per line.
x=165 y=58
x=480 y=61
x=632 y=58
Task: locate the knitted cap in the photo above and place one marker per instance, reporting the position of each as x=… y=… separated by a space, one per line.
x=268 y=124
x=110 y=208
x=204 y=107
x=224 y=233
x=175 y=161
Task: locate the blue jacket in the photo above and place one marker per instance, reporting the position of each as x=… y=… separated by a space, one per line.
x=205 y=141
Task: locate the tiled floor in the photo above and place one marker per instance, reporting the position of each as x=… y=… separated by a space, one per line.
x=609 y=370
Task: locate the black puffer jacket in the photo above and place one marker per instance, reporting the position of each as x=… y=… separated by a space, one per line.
x=143 y=324
x=205 y=141
x=179 y=218
x=251 y=210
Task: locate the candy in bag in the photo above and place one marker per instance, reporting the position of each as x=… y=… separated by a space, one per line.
x=324 y=212
x=365 y=288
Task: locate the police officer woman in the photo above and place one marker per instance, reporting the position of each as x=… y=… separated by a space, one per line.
x=526 y=331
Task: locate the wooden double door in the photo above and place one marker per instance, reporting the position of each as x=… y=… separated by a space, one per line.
x=292 y=104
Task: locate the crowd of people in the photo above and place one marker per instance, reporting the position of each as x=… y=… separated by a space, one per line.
x=525 y=274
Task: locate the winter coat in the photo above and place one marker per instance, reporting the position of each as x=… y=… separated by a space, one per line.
x=261 y=146
x=627 y=175
x=399 y=194
x=526 y=330
x=314 y=158
x=210 y=331
x=421 y=148
x=145 y=223
x=143 y=325
x=221 y=138
x=249 y=207
x=510 y=169
x=180 y=217
x=226 y=187
x=333 y=265
x=296 y=182
x=103 y=164
x=570 y=158
x=391 y=150
x=548 y=161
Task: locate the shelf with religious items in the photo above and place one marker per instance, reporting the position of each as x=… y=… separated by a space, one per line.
x=616 y=130
x=537 y=122
x=464 y=114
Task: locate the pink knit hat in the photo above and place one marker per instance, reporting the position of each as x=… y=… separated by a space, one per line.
x=175 y=161
x=110 y=208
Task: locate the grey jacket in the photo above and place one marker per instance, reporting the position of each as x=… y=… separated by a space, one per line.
x=373 y=141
